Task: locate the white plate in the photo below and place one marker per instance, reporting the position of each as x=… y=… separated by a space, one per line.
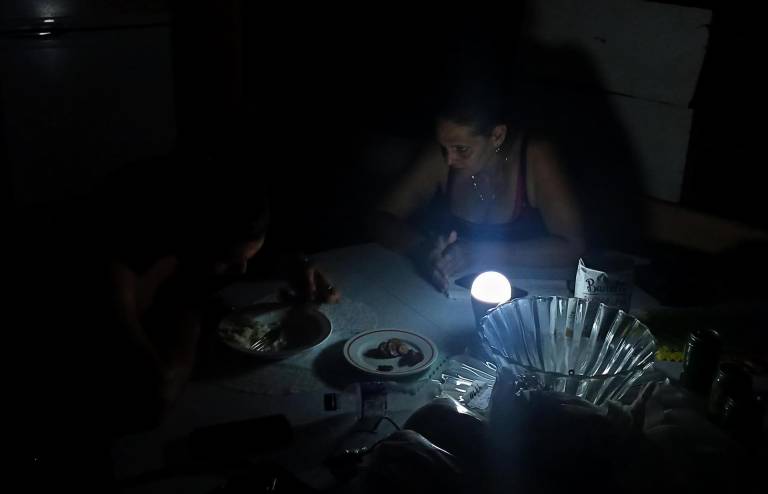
x=357 y=348
x=303 y=328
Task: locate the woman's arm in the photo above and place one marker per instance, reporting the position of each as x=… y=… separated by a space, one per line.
x=553 y=194
x=548 y=251
x=389 y=221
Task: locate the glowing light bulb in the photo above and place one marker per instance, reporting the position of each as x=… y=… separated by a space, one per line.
x=491 y=288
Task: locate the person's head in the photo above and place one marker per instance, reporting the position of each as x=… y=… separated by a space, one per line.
x=225 y=221
x=208 y=214
x=231 y=255
x=472 y=128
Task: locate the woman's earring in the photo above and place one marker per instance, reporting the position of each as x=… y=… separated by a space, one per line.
x=498 y=148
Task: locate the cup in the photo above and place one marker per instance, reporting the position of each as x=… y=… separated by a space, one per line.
x=607 y=278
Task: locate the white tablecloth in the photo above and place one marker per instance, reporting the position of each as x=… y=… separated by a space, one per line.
x=380 y=289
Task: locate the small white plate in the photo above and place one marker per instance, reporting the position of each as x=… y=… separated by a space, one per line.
x=359 y=348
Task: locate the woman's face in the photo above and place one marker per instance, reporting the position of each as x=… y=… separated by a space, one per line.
x=463 y=148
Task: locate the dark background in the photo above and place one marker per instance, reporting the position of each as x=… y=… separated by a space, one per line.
x=298 y=95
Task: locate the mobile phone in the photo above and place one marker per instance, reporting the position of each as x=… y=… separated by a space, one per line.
x=466 y=281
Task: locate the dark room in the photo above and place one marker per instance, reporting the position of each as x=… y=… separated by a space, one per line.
x=303 y=248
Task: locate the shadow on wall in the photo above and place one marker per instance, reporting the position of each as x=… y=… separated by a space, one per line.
x=579 y=119
x=328 y=94
x=593 y=140
x=332 y=119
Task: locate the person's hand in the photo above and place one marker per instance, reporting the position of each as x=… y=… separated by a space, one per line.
x=449 y=258
x=434 y=261
x=456 y=259
x=311 y=285
x=318 y=288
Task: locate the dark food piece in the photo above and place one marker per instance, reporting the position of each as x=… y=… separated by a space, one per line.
x=384 y=368
x=411 y=358
x=382 y=350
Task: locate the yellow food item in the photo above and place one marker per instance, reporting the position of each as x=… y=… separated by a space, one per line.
x=666 y=354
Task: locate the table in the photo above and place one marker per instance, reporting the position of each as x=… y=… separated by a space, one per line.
x=380 y=289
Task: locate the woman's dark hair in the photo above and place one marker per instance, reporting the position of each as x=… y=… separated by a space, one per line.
x=479 y=105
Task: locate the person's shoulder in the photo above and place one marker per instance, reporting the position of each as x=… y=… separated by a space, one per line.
x=539 y=143
x=544 y=166
x=543 y=154
x=430 y=163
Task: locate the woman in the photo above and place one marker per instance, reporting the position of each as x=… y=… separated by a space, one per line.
x=500 y=194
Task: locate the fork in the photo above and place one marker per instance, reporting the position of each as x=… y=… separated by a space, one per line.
x=269 y=337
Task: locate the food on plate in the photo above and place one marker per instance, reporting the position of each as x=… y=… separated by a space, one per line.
x=395 y=347
x=245 y=335
x=392 y=348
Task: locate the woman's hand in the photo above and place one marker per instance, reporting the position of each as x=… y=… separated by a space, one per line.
x=457 y=259
x=434 y=264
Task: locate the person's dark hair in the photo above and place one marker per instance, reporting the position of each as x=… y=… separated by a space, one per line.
x=184 y=206
x=225 y=219
x=221 y=205
x=479 y=105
